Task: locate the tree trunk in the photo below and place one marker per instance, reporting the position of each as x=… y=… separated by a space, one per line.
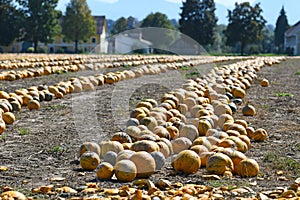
x=35 y=46
x=242 y=48
x=76 y=46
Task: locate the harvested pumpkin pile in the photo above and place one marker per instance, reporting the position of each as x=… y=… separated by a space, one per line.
x=207 y=139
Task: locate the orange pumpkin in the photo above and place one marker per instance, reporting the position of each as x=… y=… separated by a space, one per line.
x=105 y=171
x=145 y=145
x=187 y=161
x=260 y=135
x=219 y=163
x=9 y=118
x=89 y=161
x=248 y=168
x=89 y=146
x=106 y=146
x=10 y=195
x=237 y=157
x=248 y=110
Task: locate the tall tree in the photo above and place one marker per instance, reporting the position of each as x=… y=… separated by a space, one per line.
x=198 y=20
x=160 y=38
x=41 y=20
x=245 y=25
x=78 y=23
x=10 y=22
x=281 y=26
x=119 y=26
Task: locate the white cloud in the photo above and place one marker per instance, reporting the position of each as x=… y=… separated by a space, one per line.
x=230 y=3
x=108 y=1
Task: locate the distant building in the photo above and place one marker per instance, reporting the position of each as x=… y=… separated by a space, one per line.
x=96 y=43
x=128 y=42
x=292 y=39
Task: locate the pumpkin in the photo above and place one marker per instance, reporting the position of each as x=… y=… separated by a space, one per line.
x=202 y=141
x=150 y=122
x=173 y=132
x=250 y=131
x=182 y=108
x=144 y=162
x=2 y=126
x=89 y=146
x=132 y=122
x=199 y=149
x=33 y=105
x=105 y=171
x=167 y=142
x=223 y=109
x=245 y=139
x=106 y=146
x=121 y=137
x=260 y=135
x=125 y=170
x=124 y=155
x=110 y=157
x=189 y=131
x=4 y=95
x=164 y=149
x=226 y=143
x=241 y=122
x=240 y=144
x=145 y=145
x=133 y=131
x=264 y=82
x=218 y=163
x=9 y=118
x=161 y=132
x=180 y=144
x=159 y=158
x=203 y=127
x=187 y=161
x=237 y=127
x=152 y=101
x=238 y=92
x=148 y=105
x=233 y=133
x=195 y=109
x=248 y=168
x=236 y=157
x=11 y=195
x=89 y=161
x=16 y=105
x=204 y=157
x=248 y=110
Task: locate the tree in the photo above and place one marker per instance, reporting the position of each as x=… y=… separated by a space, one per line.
x=160 y=38
x=78 y=24
x=119 y=26
x=198 y=20
x=268 y=41
x=10 y=23
x=245 y=25
x=281 y=26
x=41 y=20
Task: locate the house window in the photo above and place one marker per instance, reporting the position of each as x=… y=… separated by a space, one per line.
x=93 y=40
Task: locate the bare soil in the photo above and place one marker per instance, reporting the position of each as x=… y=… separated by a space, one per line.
x=44 y=143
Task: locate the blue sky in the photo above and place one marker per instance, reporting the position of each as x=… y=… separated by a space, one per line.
x=113 y=9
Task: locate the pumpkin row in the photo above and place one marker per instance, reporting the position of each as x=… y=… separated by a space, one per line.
x=192 y=126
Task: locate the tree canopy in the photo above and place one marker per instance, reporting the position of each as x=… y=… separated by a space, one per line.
x=10 y=23
x=281 y=27
x=245 y=25
x=78 y=24
x=119 y=26
x=198 y=20
x=41 y=20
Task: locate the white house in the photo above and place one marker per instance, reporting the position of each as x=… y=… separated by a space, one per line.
x=127 y=42
x=292 y=39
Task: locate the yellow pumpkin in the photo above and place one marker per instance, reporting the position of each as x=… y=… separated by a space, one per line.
x=9 y=118
x=180 y=144
x=237 y=157
x=33 y=105
x=219 y=163
x=203 y=127
x=264 y=82
x=248 y=168
x=2 y=126
x=125 y=170
x=11 y=195
x=89 y=146
x=260 y=135
x=144 y=162
x=145 y=145
x=106 y=146
x=248 y=110
x=189 y=131
x=105 y=171
x=89 y=161
x=187 y=161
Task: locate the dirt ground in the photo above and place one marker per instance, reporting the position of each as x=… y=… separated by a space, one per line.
x=43 y=144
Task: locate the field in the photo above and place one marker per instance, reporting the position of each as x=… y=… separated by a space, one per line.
x=41 y=148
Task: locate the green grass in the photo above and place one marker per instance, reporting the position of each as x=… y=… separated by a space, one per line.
x=57 y=149
x=282 y=162
x=298 y=146
x=24 y=131
x=185 y=68
x=283 y=94
x=227 y=183
x=197 y=74
x=297 y=73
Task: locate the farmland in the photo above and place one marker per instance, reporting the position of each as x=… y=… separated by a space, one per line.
x=41 y=147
